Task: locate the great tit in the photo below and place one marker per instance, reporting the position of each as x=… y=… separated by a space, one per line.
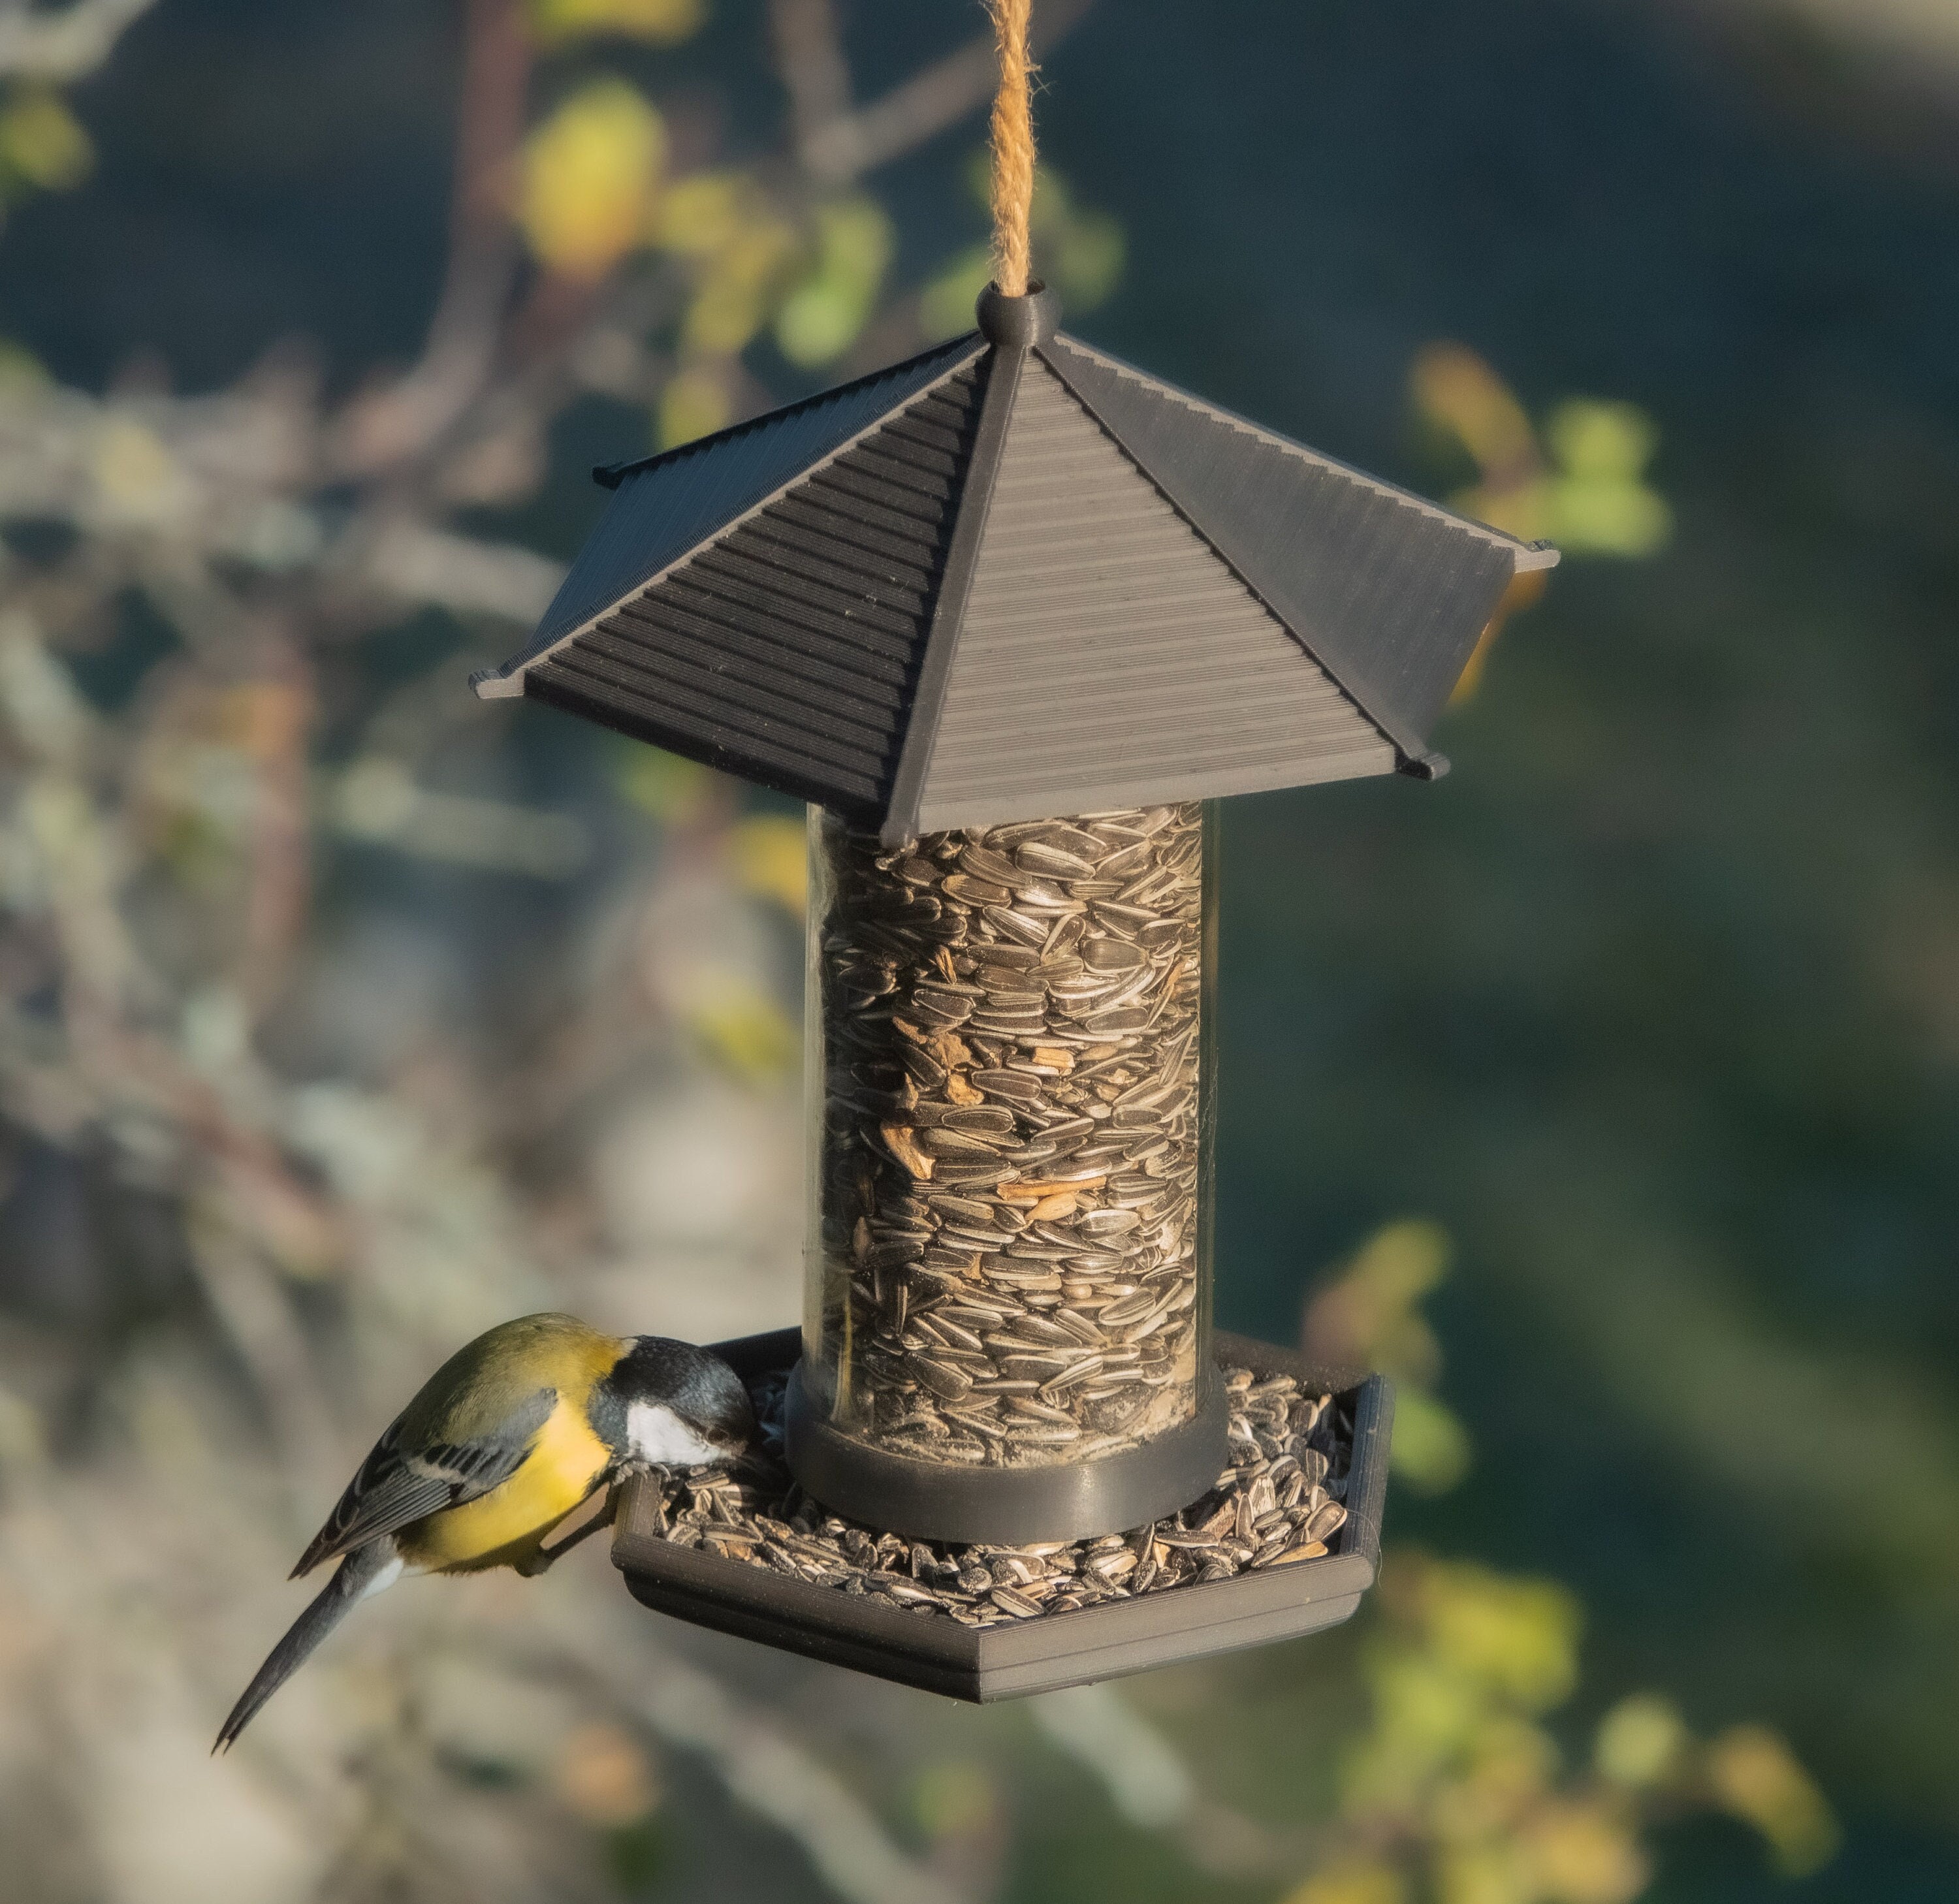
x=509 y=1437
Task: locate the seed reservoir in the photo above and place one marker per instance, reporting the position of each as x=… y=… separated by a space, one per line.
x=1008 y=1257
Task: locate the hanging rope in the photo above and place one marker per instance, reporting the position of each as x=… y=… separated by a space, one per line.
x=1013 y=148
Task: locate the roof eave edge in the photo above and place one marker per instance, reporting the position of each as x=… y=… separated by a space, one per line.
x=610 y=475
x=1521 y=551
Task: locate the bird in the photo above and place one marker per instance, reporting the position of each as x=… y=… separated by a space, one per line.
x=510 y=1435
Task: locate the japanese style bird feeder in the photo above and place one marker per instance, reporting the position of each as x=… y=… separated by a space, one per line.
x=1008 y=615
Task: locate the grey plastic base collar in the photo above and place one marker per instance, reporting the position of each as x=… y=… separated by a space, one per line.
x=1006 y=1506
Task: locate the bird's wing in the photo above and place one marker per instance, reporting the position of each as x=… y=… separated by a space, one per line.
x=398 y=1484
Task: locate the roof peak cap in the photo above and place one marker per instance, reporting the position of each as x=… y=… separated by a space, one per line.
x=1018 y=323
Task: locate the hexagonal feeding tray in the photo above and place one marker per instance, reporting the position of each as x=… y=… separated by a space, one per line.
x=793 y=1582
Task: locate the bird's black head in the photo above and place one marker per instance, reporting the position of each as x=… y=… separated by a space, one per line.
x=672 y=1404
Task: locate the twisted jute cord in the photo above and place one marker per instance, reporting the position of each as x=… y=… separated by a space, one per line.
x=1013 y=148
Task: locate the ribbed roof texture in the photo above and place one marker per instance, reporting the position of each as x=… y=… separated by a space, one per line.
x=787 y=648
x=1012 y=579
x=1103 y=639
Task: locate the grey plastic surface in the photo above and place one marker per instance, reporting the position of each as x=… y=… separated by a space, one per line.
x=1068 y=1501
x=664 y=507
x=869 y=1634
x=1387 y=591
x=1083 y=590
x=1019 y=323
x=1104 y=645
x=788 y=650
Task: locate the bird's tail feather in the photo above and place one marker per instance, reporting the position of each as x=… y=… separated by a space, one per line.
x=362 y=1572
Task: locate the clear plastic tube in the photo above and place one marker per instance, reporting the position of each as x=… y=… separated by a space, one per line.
x=1010 y=1078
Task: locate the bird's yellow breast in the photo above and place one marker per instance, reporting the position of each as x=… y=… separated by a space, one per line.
x=505 y=1525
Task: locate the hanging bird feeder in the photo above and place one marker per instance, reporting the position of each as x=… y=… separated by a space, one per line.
x=1010 y=580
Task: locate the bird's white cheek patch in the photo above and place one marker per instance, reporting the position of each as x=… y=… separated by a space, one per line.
x=657 y=1435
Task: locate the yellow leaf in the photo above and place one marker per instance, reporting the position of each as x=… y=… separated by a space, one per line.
x=591 y=179
x=1509 y=1769
x=1525 y=590
x=822 y=316
x=20 y=370
x=669 y=786
x=1352 y=1883
x=661 y=23
x=1080 y=252
x=23 y=1439
x=1405 y=1259
x=137 y=478
x=1084 y=260
x=700 y=213
x=1598 y=503
x=42 y=142
x=1425 y=1717
x=1754 y=1776
x=1518 y=1637
x=1431 y=1447
x=1455 y=390
x=1369 y=1316
x=1485 y=1873
x=742 y=247
x=738 y=287
x=770 y=853
x=1589 y=438
x=1608 y=515
x=1582 y=1854
x=695 y=404
x=1640 y=1741
x=744 y=1028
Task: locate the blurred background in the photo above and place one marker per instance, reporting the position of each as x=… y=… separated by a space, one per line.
x=1607 y=1094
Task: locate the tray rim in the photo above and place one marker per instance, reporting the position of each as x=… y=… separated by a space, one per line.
x=872 y=1634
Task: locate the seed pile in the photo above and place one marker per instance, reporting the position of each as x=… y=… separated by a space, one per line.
x=1279 y=1502
x=1009 y=1156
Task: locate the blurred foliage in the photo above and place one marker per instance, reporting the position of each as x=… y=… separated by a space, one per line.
x=1368 y=1317
x=42 y=146
x=1579 y=484
x=770 y=858
x=1459 y=1790
x=671 y=788
x=1750 y=1772
x=660 y=22
x=326 y=1040
x=592 y=179
x=822 y=315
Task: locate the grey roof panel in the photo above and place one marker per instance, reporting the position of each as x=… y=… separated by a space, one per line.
x=1105 y=646
x=667 y=506
x=1014 y=577
x=786 y=650
x=1388 y=591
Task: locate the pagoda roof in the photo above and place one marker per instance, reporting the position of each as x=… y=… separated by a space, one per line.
x=1014 y=577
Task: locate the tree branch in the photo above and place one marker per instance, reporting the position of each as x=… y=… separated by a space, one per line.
x=809 y=61
x=847 y=148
